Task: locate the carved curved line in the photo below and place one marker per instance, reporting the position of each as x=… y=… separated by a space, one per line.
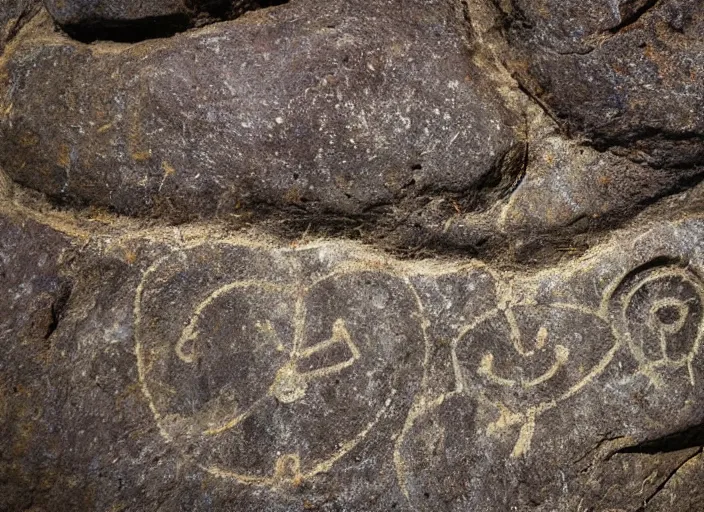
x=349 y=445
x=460 y=384
x=418 y=398
x=624 y=280
x=525 y=436
x=189 y=333
x=141 y=366
x=682 y=310
x=515 y=334
x=339 y=335
x=636 y=350
x=239 y=477
x=486 y=368
x=597 y=370
x=562 y=354
x=232 y=423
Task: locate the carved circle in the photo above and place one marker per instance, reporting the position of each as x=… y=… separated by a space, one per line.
x=659 y=308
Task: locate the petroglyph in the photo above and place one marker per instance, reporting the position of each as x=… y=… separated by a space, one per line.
x=290 y=383
x=248 y=372
x=659 y=310
x=347 y=255
x=524 y=359
x=272 y=382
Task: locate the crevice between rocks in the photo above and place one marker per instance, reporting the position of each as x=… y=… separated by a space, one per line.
x=159 y=27
x=633 y=18
x=540 y=103
x=132 y=31
x=58 y=308
x=666 y=480
x=19 y=22
x=409 y=227
x=692 y=437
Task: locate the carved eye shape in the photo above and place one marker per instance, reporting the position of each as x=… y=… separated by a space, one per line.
x=669 y=315
x=661 y=310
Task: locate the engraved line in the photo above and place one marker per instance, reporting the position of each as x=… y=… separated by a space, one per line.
x=349 y=445
x=562 y=354
x=237 y=419
x=486 y=369
x=190 y=333
x=339 y=334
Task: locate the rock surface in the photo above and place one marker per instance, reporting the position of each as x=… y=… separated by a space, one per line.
x=629 y=75
x=13 y=15
x=207 y=369
x=204 y=304
x=302 y=110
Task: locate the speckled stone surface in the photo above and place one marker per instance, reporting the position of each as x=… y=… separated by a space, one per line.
x=353 y=256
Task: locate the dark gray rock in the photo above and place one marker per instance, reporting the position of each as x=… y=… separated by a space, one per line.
x=294 y=378
x=337 y=107
x=572 y=188
x=76 y=12
x=179 y=356
x=35 y=294
x=133 y=20
x=627 y=75
x=534 y=424
x=215 y=372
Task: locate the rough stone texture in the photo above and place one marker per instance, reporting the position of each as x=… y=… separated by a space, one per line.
x=34 y=295
x=211 y=372
x=302 y=110
x=133 y=20
x=13 y=15
x=75 y=12
x=629 y=75
x=179 y=333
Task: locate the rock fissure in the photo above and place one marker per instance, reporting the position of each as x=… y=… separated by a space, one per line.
x=101 y=22
x=428 y=255
x=635 y=16
x=668 y=478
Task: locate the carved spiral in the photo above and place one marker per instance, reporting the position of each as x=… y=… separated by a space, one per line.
x=660 y=309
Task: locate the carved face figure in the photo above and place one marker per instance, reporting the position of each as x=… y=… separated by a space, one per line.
x=526 y=355
x=267 y=380
x=526 y=358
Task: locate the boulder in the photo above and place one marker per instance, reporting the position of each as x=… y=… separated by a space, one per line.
x=335 y=107
x=134 y=20
x=488 y=295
